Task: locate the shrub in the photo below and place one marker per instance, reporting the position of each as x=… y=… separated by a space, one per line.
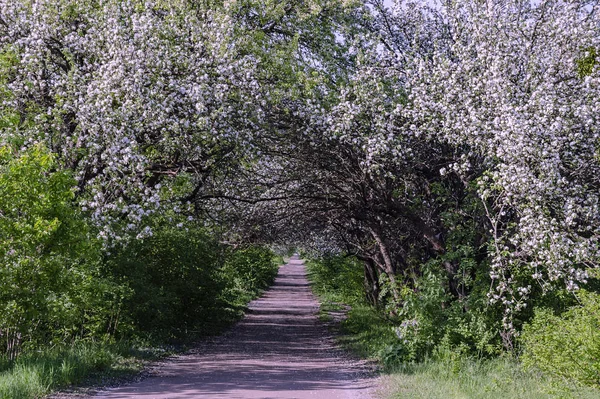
x=431 y=319
x=174 y=279
x=51 y=290
x=247 y=271
x=340 y=278
x=184 y=283
x=566 y=346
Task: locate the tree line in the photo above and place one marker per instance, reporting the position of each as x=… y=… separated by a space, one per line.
x=453 y=149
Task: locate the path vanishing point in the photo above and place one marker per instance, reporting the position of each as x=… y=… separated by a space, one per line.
x=280 y=350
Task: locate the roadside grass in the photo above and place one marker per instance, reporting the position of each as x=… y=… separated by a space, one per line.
x=36 y=374
x=366 y=333
x=449 y=375
x=462 y=378
x=363 y=331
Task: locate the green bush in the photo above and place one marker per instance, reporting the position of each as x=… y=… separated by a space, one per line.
x=430 y=318
x=59 y=284
x=174 y=279
x=184 y=283
x=566 y=346
x=51 y=290
x=338 y=278
x=247 y=271
x=424 y=321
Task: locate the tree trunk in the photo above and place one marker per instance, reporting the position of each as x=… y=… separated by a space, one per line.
x=372 y=288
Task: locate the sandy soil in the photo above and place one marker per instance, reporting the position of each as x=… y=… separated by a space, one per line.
x=279 y=350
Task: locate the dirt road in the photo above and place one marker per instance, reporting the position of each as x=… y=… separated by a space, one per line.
x=279 y=351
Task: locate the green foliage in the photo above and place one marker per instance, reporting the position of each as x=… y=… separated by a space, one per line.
x=50 y=287
x=368 y=334
x=281 y=33
x=337 y=279
x=58 y=285
x=586 y=64
x=566 y=346
x=428 y=322
x=8 y=61
x=247 y=271
x=441 y=300
x=174 y=280
x=426 y=318
x=338 y=282
x=184 y=283
x=430 y=317
x=443 y=342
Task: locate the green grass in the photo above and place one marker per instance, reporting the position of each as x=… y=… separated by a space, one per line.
x=337 y=282
x=462 y=378
x=36 y=374
x=366 y=334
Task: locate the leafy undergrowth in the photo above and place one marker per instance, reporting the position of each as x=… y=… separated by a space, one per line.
x=447 y=374
x=368 y=335
x=90 y=363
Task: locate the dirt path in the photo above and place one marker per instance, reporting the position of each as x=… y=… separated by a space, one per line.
x=280 y=350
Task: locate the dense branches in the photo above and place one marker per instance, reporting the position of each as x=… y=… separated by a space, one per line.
x=471 y=128
x=456 y=144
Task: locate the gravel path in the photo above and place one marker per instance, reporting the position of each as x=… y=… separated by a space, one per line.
x=279 y=350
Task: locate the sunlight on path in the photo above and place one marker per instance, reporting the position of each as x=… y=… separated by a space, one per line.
x=280 y=350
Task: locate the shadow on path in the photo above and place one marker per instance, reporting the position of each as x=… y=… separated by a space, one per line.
x=279 y=350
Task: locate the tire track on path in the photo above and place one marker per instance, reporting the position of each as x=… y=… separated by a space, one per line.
x=280 y=350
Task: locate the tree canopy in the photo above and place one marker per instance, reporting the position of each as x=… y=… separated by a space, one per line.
x=457 y=143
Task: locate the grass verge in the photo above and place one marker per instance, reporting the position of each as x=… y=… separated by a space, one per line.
x=362 y=330
x=462 y=378
x=36 y=374
x=365 y=332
